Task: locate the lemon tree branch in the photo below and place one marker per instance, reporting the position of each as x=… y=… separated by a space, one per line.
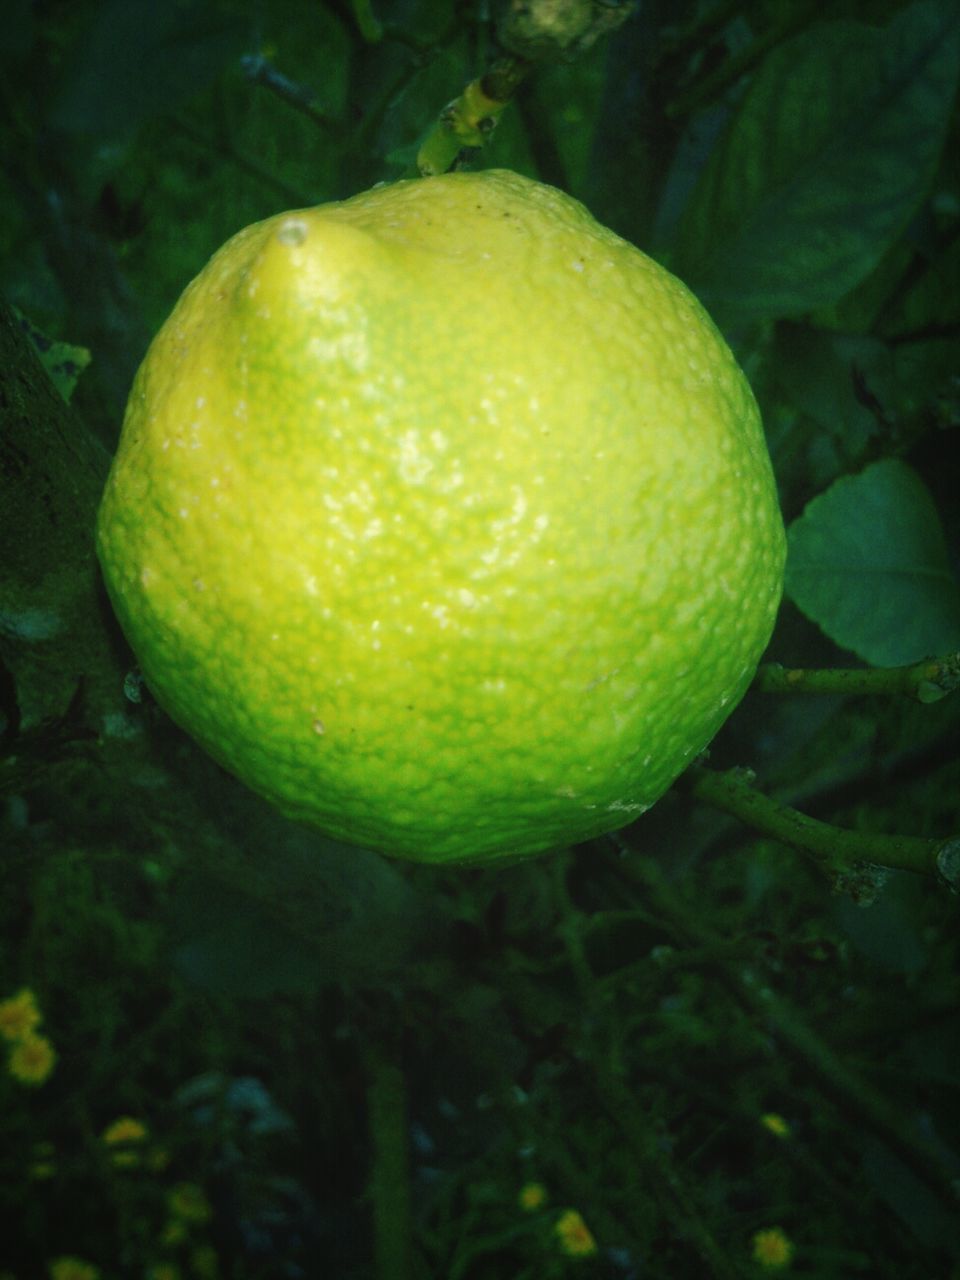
x=927 y=681
x=837 y=850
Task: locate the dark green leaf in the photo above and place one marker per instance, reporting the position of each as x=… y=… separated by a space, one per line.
x=912 y=1202
x=817 y=370
x=831 y=151
x=317 y=912
x=141 y=58
x=867 y=562
x=887 y=934
x=62 y=361
x=241 y=954
x=19 y=28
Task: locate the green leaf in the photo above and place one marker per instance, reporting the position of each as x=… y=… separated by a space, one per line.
x=19 y=30
x=63 y=361
x=241 y=954
x=138 y=59
x=867 y=561
x=347 y=912
x=816 y=371
x=830 y=153
x=909 y=1198
x=888 y=934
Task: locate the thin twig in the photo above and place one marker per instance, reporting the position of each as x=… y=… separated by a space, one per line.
x=837 y=850
x=771 y=1010
x=260 y=70
x=927 y=681
x=605 y=1074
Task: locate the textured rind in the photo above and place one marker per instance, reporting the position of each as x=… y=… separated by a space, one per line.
x=444 y=518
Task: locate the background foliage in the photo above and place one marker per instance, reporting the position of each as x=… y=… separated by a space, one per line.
x=687 y=1035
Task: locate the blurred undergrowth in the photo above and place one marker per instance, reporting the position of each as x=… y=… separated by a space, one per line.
x=235 y=1050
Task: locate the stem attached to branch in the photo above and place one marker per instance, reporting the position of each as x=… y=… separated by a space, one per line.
x=837 y=850
x=533 y=34
x=467 y=122
x=927 y=681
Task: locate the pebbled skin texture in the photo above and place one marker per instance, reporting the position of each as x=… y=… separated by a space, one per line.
x=443 y=517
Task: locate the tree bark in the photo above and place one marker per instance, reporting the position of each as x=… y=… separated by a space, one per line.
x=54 y=633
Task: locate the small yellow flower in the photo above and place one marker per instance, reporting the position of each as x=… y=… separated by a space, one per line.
x=32 y=1059
x=772 y=1248
x=776 y=1125
x=532 y=1196
x=19 y=1015
x=124 y=1129
x=188 y=1202
x=124 y=1133
x=73 y=1269
x=574 y=1235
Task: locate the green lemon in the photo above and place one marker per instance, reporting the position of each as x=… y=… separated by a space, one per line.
x=443 y=518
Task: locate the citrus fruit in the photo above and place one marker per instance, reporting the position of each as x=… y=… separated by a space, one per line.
x=443 y=518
